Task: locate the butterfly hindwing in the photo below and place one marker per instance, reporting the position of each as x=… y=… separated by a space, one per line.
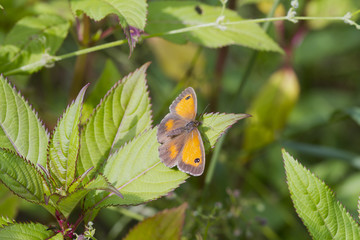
x=192 y=159
x=170 y=151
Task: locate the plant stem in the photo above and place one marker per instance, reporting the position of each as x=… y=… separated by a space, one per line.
x=91 y=49
x=211 y=169
x=251 y=63
x=82 y=60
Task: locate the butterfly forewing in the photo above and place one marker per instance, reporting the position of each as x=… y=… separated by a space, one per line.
x=185 y=104
x=167 y=127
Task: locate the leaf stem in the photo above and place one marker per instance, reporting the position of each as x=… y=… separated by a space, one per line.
x=253 y=57
x=52 y=59
x=211 y=169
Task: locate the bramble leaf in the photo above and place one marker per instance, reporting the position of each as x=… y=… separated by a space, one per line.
x=28 y=231
x=32 y=43
x=137 y=172
x=68 y=203
x=167 y=224
x=132 y=12
x=215 y=124
x=165 y=16
x=5 y=221
x=64 y=144
x=20 y=128
x=123 y=114
x=316 y=205
x=21 y=177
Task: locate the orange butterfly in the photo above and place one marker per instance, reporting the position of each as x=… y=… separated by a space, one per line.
x=181 y=142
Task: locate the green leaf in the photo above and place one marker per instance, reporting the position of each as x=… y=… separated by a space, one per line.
x=58 y=236
x=108 y=78
x=165 y=16
x=68 y=203
x=271 y=108
x=101 y=183
x=64 y=144
x=31 y=44
x=28 y=231
x=123 y=114
x=215 y=124
x=5 y=221
x=316 y=205
x=20 y=128
x=167 y=224
x=132 y=12
x=9 y=203
x=21 y=177
x=137 y=172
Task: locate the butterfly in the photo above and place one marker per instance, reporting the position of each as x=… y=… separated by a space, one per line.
x=180 y=140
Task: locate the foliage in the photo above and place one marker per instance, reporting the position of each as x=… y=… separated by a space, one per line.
x=316 y=205
x=291 y=64
x=62 y=184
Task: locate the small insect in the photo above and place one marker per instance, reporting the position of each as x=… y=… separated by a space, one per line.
x=180 y=139
x=198 y=9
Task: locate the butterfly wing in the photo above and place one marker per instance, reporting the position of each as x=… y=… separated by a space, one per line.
x=192 y=157
x=185 y=105
x=178 y=145
x=170 y=127
x=170 y=151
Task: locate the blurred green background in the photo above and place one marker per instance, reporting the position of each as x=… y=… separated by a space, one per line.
x=306 y=101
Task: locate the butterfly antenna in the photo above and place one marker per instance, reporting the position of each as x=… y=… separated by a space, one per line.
x=203 y=112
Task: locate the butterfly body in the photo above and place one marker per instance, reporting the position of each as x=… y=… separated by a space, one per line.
x=180 y=139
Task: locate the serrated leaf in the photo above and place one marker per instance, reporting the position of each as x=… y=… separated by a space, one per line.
x=137 y=172
x=132 y=12
x=20 y=128
x=123 y=114
x=101 y=183
x=167 y=224
x=31 y=44
x=215 y=124
x=271 y=108
x=64 y=143
x=21 y=177
x=68 y=203
x=58 y=236
x=165 y=16
x=108 y=78
x=315 y=203
x=5 y=221
x=28 y=231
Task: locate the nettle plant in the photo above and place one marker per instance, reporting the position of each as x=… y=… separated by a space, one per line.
x=111 y=160
x=315 y=203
